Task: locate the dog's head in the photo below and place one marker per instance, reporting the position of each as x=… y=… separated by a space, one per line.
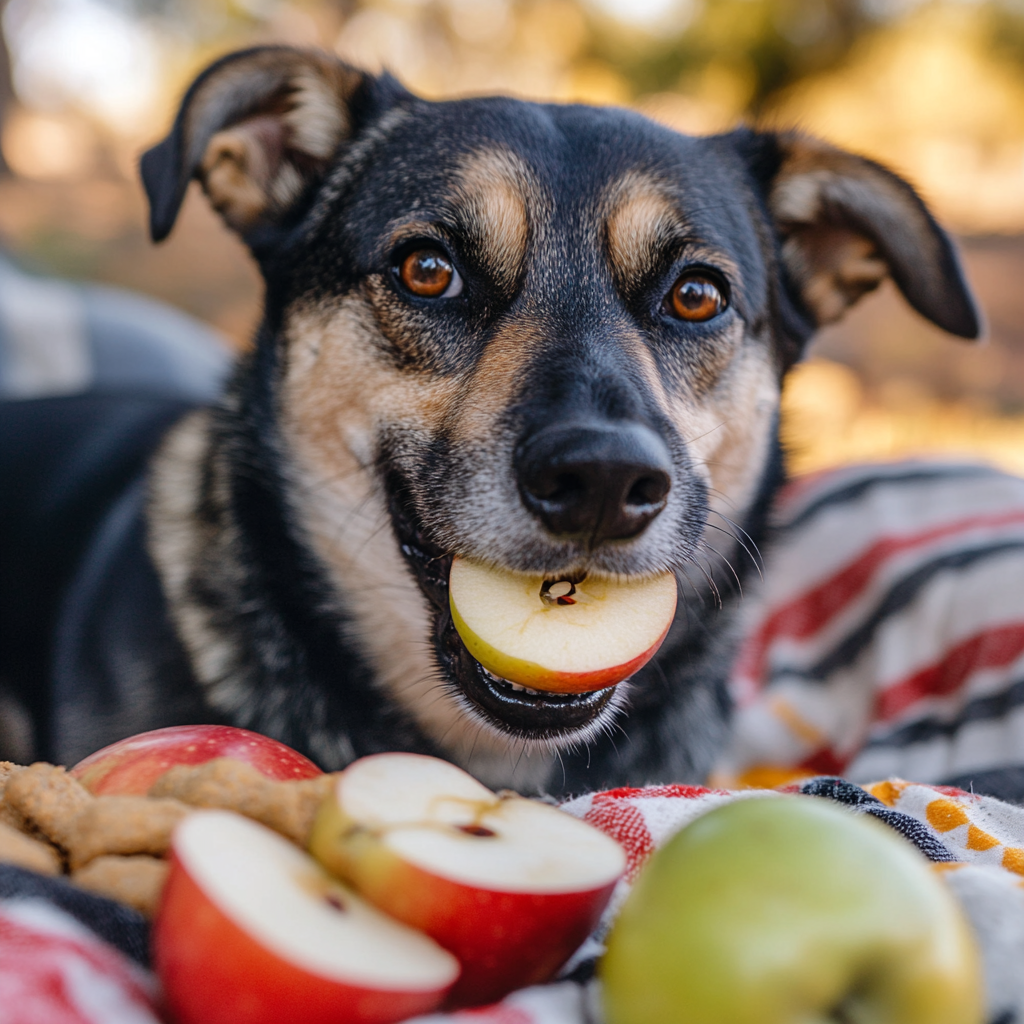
x=547 y=337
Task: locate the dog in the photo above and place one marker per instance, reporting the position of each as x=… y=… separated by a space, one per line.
x=548 y=337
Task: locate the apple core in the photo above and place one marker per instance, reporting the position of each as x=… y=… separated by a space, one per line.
x=569 y=634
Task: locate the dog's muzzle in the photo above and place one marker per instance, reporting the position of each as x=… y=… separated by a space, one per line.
x=595 y=482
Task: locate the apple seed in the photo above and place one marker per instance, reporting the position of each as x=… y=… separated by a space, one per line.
x=477 y=830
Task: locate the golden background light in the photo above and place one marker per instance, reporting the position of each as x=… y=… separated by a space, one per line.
x=933 y=88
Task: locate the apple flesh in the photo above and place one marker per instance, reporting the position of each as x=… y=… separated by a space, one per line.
x=131 y=766
x=790 y=911
x=511 y=886
x=557 y=635
x=251 y=930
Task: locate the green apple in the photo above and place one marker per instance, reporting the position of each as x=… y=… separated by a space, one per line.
x=789 y=910
x=510 y=886
x=559 y=635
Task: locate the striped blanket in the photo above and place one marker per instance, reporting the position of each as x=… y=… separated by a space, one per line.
x=886 y=642
x=888 y=637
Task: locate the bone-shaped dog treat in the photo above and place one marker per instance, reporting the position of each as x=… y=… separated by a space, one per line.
x=87 y=826
x=8 y=815
x=286 y=807
x=122 y=825
x=48 y=799
x=113 y=844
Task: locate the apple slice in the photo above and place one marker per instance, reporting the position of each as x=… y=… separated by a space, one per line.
x=555 y=634
x=131 y=766
x=251 y=930
x=511 y=886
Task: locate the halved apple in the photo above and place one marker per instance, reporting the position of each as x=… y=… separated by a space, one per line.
x=251 y=930
x=511 y=886
x=559 y=635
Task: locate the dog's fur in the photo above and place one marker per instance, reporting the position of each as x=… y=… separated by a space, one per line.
x=303 y=529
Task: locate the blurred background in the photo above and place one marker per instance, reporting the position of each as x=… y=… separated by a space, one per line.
x=933 y=88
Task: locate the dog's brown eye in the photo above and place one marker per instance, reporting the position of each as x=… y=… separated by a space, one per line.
x=429 y=273
x=695 y=297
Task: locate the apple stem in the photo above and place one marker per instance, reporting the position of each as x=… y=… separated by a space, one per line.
x=558 y=591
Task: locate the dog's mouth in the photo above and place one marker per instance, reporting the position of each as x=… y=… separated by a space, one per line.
x=508 y=707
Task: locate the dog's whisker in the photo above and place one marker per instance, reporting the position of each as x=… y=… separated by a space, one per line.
x=756 y=557
x=697 y=593
x=710 y=430
x=710 y=580
x=710 y=549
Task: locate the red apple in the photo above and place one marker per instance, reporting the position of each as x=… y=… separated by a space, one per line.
x=132 y=765
x=558 y=635
x=251 y=930
x=511 y=886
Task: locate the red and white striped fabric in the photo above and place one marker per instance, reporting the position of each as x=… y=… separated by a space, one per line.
x=888 y=636
x=54 y=970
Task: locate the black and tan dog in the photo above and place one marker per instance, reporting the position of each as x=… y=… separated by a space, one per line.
x=548 y=337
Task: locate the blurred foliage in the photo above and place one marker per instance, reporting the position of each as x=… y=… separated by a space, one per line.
x=766 y=45
x=763 y=46
x=934 y=88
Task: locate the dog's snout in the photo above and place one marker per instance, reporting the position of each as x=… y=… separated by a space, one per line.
x=601 y=481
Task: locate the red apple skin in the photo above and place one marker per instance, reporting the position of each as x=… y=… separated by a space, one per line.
x=538 y=677
x=131 y=766
x=504 y=940
x=212 y=972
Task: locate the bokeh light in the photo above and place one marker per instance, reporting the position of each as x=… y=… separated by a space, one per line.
x=933 y=88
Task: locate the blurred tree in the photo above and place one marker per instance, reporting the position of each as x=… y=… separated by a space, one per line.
x=753 y=47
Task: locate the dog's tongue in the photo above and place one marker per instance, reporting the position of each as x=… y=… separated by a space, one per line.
x=560 y=635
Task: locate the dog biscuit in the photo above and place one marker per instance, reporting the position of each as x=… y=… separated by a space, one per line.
x=8 y=815
x=48 y=799
x=25 y=852
x=136 y=880
x=121 y=825
x=286 y=807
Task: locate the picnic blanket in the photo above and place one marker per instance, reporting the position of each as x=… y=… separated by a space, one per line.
x=55 y=970
x=886 y=642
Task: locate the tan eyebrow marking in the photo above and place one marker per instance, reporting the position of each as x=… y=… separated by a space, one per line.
x=641 y=217
x=495 y=197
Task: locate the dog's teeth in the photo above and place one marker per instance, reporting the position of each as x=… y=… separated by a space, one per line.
x=520 y=689
x=508 y=683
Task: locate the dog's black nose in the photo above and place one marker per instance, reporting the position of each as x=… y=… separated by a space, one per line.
x=604 y=481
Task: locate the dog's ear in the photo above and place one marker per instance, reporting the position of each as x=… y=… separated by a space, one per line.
x=845 y=223
x=258 y=129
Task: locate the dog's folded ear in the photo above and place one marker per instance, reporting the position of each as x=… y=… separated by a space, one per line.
x=258 y=129
x=845 y=223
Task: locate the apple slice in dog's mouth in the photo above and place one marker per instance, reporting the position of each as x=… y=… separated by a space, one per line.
x=571 y=635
